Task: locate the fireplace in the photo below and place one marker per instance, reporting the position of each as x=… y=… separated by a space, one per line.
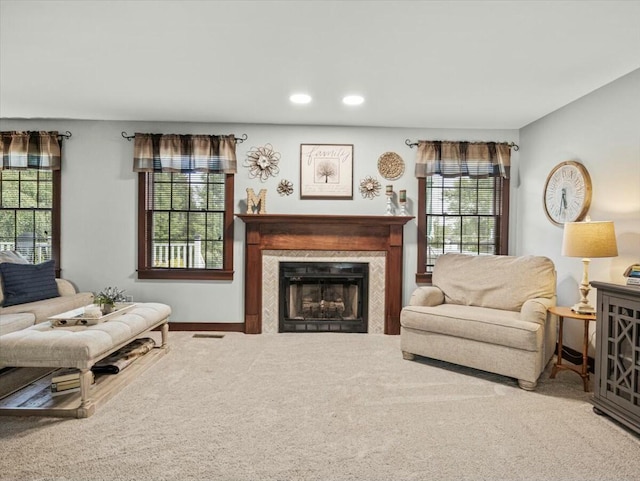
x=323 y=297
x=274 y=238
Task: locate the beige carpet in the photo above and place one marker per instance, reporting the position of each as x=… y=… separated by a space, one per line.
x=322 y=407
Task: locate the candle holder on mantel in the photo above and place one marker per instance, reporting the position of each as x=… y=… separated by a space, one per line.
x=389 y=193
x=402 y=199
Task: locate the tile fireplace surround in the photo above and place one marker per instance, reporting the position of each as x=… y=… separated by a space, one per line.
x=272 y=238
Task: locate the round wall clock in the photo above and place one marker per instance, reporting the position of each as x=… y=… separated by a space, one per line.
x=567 y=193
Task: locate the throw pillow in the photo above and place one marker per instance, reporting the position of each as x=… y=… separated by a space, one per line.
x=24 y=283
x=12 y=256
x=15 y=258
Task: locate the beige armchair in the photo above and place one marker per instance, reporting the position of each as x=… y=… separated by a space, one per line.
x=486 y=312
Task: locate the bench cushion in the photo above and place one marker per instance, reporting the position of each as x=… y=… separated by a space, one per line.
x=78 y=346
x=15 y=322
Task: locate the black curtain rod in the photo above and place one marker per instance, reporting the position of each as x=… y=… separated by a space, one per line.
x=513 y=145
x=238 y=139
x=66 y=135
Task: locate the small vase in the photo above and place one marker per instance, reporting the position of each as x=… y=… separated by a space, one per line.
x=107 y=308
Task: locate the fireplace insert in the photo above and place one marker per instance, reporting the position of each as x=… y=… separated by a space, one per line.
x=323 y=297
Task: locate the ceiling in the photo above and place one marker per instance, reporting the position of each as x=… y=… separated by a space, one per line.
x=419 y=64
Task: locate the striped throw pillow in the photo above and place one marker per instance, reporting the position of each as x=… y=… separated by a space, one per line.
x=22 y=283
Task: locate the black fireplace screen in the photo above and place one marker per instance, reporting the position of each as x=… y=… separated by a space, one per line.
x=323 y=297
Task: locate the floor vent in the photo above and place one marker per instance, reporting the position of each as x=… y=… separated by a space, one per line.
x=209 y=336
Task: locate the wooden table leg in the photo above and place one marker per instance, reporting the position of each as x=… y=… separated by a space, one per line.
x=585 y=357
x=165 y=335
x=556 y=366
x=86 y=408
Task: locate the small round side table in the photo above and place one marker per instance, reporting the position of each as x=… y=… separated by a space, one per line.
x=583 y=371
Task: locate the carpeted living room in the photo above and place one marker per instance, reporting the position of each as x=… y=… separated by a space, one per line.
x=319 y=240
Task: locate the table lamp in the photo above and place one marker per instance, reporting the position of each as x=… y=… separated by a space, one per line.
x=588 y=239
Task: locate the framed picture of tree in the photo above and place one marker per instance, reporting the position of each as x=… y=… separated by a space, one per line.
x=326 y=171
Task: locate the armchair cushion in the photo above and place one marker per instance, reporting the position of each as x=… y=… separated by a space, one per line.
x=500 y=282
x=483 y=324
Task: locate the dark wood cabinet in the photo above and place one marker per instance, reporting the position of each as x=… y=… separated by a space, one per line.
x=616 y=390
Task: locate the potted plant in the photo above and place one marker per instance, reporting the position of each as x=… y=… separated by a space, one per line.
x=108 y=297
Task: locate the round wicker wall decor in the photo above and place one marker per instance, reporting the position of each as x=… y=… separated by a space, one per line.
x=390 y=166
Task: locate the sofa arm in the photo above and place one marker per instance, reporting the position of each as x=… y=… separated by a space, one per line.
x=426 y=296
x=65 y=288
x=535 y=310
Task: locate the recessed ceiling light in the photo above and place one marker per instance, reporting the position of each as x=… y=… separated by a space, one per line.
x=300 y=98
x=353 y=100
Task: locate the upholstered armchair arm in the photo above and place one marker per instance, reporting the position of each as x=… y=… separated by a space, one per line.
x=426 y=296
x=65 y=288
x=535 y=310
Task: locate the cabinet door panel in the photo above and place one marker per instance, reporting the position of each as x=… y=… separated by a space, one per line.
x=619 y=367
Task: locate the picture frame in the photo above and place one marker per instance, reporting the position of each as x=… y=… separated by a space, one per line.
x=326 y=171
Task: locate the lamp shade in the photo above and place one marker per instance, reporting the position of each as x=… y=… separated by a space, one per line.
x=589 y=239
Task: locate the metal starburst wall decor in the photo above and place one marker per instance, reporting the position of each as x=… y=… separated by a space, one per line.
x=370 y=187
x=262 y=162
x=285 y=187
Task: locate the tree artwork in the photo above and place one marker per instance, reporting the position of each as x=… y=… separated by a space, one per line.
x=326 y=170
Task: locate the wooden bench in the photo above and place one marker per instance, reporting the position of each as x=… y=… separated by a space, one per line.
x=80 y=347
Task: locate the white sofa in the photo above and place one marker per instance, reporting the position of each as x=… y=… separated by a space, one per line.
x=26 y=310
x=486 y=312
x=21 y=316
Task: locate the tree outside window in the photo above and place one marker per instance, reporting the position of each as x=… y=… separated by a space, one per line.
x=29 y=212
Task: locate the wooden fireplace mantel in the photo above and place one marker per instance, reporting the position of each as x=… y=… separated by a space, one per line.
x=323 y=233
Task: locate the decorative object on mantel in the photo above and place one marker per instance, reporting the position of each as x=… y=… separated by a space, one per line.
x=262 y=162
x=258 y=202
x=285 y=187
x=108 y=297
x=370 y=187
x=402 y=200
x=389 y=194
x=390 y=166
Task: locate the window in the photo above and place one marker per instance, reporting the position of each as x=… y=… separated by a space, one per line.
x=461 y=214
x=30 y=213
x=30 y=194
x=185 y=205
x=185 y=225
x=463 y=200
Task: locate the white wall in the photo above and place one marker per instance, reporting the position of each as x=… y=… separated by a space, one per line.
x=601 y=130
x=99 y=201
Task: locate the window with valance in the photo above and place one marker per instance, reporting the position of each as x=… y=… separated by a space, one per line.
x=463 y=200
x=185 y=205
x=30 y=194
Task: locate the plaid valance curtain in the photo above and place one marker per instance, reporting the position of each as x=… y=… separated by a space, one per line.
x=30 y=150
x=213 y=154
x=456 y=159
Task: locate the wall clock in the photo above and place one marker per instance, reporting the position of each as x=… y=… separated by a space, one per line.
x=567 y=193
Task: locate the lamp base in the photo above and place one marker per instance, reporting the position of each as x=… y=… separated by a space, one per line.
x=583 y=308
